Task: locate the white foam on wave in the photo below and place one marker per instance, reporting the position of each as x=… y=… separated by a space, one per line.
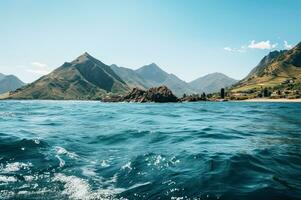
x=37 y=141
x=127 y=166
x=79 y=189
x=29 y=178
x=7 y=179
x=75 y=188
x=62 y=162
x=158 y=160
x=63 y=151
x=16 y=166
x=88 y=171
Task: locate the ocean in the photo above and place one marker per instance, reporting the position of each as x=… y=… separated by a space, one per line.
x=203 y=150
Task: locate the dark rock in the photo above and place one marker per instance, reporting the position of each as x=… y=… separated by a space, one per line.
x=159 y=94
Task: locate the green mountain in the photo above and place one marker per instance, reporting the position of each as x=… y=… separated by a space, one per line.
x=211 y=83
x=83 y=78
x=9 y=83
x=274 y=71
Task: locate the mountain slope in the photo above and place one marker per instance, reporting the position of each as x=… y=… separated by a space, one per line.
x=9 y=83
x=212 y=83
x=154 y=76
x=131 y=77
x=273 y=70
x=83 y=78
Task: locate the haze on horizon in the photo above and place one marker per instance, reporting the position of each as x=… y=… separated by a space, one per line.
x=189 y=39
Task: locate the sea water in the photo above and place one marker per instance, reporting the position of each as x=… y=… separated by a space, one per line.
x=205 y=150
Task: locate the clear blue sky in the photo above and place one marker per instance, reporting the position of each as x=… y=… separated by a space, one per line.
x=188 y=38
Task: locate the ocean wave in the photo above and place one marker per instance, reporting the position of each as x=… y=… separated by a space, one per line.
x=63 y=151
x=79 y=189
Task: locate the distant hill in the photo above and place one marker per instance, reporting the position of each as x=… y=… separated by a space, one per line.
x=274 y=70
x=155 y=76
x=83 y=78
x=9 y=83
x=212 y=83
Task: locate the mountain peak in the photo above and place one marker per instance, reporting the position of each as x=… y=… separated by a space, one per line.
x=153 y=73
x=152 y=68
x=86 y=57
x=153 y=65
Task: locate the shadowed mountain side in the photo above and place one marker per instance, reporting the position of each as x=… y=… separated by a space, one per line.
x=83 y=78
x=130 y=76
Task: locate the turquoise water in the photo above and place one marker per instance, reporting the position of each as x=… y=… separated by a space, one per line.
x=93 y=150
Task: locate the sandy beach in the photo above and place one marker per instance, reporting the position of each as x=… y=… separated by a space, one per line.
x=273 y=100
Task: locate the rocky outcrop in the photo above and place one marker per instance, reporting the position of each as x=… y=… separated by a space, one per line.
x=159 y=94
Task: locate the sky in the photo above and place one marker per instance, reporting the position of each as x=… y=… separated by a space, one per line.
x=188 y=38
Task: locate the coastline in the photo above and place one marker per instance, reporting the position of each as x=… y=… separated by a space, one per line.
x=272 y=100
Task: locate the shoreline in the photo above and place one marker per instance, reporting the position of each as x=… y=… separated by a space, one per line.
x=271 y=100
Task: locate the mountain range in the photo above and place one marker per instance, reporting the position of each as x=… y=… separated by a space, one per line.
x=88 y=78
x=9 y=83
